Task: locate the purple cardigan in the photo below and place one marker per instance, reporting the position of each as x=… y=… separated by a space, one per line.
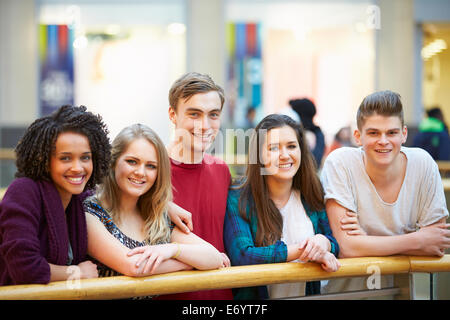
x=34 y=232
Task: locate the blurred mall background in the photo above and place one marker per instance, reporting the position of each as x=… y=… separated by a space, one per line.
x=119 y=58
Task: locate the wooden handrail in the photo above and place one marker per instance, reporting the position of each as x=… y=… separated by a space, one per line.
x=233 y=277
x=446 y=184
x=7 y=154
x=430 y=264
x=444 y=166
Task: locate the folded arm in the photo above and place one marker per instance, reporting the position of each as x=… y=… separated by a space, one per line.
x=194 y=251
x=430 y=240
x=104 y=247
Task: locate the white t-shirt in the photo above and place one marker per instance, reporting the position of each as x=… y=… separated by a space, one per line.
x=420 y=202
x=296 y=227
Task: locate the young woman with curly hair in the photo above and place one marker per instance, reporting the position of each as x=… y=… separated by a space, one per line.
x=43 y=231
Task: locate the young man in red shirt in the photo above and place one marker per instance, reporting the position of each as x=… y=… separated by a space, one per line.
x=200 y=181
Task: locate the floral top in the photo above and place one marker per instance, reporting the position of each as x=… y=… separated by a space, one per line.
x=92 y=206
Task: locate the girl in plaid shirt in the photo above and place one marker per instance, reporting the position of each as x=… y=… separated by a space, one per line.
x=277 y=213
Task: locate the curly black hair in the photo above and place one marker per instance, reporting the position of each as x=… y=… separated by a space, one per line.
x=33 y=151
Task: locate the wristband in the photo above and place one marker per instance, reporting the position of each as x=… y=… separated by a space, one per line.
x=178 y=251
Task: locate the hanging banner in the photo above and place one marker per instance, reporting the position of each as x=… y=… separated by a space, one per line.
x=56 y=85
x=245 y=74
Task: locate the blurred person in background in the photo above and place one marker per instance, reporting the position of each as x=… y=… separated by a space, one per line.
x=433 y=135
x=342 y=138
x=306 y=110
x=250 y=118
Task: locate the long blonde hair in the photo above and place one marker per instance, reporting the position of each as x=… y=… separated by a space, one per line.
x=153 y=204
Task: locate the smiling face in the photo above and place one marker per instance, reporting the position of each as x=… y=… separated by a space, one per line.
x=197 y=122
x=381 y=138
x=136 y=168
x=71 y=164
x=281 y=154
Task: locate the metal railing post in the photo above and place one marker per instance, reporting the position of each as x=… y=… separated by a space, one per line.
x=405 y=284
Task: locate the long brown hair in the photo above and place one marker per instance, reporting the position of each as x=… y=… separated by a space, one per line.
x=255 y=193
x=153 y=204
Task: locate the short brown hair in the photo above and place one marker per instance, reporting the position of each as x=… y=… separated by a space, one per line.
x=190 y=84
x=385 y=103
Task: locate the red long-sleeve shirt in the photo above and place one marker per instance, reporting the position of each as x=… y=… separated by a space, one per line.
x=202 y=189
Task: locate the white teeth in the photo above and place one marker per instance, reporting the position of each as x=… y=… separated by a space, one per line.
x=77 y=179
x=285 y=165
x=202 y=136
x=383 y=151
x=136 y=181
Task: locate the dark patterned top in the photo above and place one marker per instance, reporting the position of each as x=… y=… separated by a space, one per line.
x=92 y=206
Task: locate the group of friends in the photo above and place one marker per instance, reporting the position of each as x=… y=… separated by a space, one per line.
x=136 y=207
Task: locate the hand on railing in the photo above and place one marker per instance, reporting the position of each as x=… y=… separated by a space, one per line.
x=84 y=270
x=225 y=260
x=234 y=277
x=433 y=239
x=329 y=263
x=317 y=249
x=314 y=248
x=88 y=270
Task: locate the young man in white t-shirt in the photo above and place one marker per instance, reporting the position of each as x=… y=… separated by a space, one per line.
x=383 y=199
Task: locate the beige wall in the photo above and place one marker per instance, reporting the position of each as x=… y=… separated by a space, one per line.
x=18 y=62
x=206 y=38
x=205 y=53
x=334 y=67
x=395 y=47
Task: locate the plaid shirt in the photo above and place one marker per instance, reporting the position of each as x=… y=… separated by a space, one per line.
x=239 y=236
